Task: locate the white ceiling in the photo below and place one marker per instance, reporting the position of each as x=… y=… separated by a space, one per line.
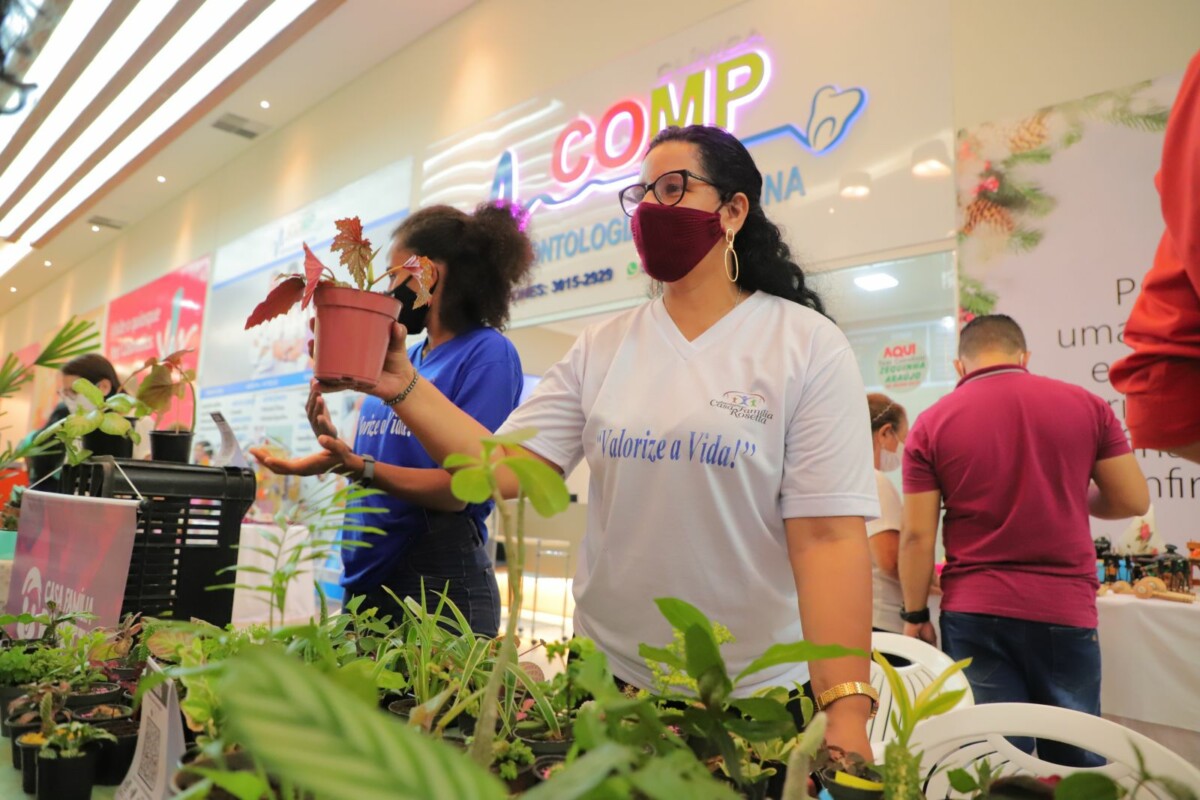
x=358 y=35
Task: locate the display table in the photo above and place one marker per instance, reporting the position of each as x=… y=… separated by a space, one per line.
x=1150 y=651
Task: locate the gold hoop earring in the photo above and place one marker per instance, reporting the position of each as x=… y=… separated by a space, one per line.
x=736 y=271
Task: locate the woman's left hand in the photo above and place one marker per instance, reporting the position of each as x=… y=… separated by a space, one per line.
x=334 y=455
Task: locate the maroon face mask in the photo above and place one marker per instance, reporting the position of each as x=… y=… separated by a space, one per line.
x=671 y=240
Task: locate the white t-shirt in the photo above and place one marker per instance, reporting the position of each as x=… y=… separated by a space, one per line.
x=698 y=452
x=886 y=589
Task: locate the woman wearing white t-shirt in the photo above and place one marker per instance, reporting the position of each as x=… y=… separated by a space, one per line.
x=722 y=423
x=889 y=427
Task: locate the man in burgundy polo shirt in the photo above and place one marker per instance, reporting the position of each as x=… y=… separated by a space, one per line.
x=1018 y=461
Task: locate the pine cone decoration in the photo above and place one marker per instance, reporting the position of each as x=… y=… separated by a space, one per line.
x=1029 y=135
x=985 y=212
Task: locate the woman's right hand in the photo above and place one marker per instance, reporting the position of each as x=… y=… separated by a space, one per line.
x=318 y=416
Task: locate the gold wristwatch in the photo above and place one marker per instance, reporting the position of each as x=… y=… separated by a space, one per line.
x=835 y=693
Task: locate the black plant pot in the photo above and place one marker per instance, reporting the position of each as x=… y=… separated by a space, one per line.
x=840 y=791
x=98 y=694
x=547 y=747
x=105 y=444
x=175 y=446
x=104 y=713
x=15 y=731
x=29 y=759
x=543 y=763
x=66 y=778
x=113 y=759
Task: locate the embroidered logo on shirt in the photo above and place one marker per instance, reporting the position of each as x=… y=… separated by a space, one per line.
x=744 y=405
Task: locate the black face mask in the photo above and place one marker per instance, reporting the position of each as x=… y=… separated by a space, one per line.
x=413 y=319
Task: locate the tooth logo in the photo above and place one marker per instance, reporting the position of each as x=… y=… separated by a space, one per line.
x=31 y=603
x=832 y=113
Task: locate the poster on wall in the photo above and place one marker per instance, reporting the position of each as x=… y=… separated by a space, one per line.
x=1059 y=220
x=258 y=379
x=835 y=131
x=155 y=320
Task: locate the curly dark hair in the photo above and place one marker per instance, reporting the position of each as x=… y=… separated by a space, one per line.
x=488 y=254
x=765 y=260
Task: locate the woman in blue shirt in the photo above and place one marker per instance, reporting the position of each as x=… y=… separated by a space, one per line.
x=433 y=540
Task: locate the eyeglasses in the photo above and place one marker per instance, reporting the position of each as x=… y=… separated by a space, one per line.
x=668 y=189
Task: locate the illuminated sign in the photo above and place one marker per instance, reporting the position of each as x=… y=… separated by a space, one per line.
x=595 y=153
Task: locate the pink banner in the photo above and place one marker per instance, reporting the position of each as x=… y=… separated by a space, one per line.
x=73 y=551
x=157 y=319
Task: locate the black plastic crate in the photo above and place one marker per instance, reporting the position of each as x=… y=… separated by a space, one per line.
x=188 y=527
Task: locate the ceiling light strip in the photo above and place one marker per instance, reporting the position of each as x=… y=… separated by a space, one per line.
x=147 y=142
x=80 y=34
x=133 y=48
x=197 y=43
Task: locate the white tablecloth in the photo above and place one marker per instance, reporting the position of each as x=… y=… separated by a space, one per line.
x=1151 y=660
x=251 y=607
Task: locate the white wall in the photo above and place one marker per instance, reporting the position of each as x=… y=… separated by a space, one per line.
x=1008 y=58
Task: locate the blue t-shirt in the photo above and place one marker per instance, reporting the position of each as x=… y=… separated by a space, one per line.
x=480 y=372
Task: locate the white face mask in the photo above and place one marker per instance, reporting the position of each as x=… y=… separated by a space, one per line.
x=890 y=461
x=71 y=403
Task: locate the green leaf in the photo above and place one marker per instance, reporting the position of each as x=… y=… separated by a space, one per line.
x=761 y=731
x=301 y=724
x=661 y=654
x=471 y=485
x=121 y=403
x=1086 y=786
x=682 y=614
x=77 y=425
x=74 y=338
x=902 y=714
x=115 y=424
x=763 y=709
x=157 y=389
x=460 y=460
x=88 y=389
x=702 y=654
x=935 y=687
x=713 y=686
x=582 y=776
x=795 y=653
x=242 y=785
x=962 y=781
x=541 y=483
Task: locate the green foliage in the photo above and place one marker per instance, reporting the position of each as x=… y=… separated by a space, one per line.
x=974 y=297
x=69 y=740
x=107 y=415
x=510 y=757
x=331 y=743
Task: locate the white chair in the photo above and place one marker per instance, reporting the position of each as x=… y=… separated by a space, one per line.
x=965 y=736
x=927 y=664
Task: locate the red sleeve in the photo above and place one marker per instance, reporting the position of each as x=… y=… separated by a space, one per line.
x=919 y=473
x=1113 y=442
x=1180 y=175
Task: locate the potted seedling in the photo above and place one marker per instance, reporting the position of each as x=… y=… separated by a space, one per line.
x=513 y=761
x=118 y=654
x=97 y=415
x=66 y=764
x=167 y=383
x=37 y=711
x=353 y=323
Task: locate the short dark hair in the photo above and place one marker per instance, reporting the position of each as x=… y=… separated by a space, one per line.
x=489 y=253
x=95 y=368
x=993 y=332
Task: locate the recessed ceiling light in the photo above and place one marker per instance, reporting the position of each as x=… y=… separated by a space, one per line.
x=830 y=209
x=162 y=179
x=12 y=288
x=931 y=160
x=95 y=229
x=856 y=184
x=875 y=282
x=264 y=104
x=47 y=263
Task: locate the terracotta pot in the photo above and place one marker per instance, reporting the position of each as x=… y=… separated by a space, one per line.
x=352 y=331
x=173 y=446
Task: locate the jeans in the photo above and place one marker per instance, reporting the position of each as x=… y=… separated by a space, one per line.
x=449 y=557
x=1019 y=661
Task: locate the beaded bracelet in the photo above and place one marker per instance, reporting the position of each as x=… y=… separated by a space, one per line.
x=398 y=399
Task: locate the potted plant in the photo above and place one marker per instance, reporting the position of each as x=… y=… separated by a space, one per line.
x=66 y=764
x=41 y=707
x=168 y=382
x=513 y=762
x=114 y=757
x=118 y=654
x=345 y=314
x=114 y=416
